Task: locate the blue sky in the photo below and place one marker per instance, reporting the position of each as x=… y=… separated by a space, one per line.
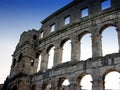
x=20 y=15
x=17 y=16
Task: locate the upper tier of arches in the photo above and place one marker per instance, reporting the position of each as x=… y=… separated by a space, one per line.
x=73 y=48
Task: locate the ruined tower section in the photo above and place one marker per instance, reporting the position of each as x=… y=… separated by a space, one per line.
x=24 y=63
x=24 y=56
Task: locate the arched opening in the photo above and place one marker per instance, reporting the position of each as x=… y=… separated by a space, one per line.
x=39 y=63
x=112 y=81
x=46 y=86
x=109 y=40
x=34 y=37
x=14 y=87
x=86 y=82
x=38 y=57
x=33 y=87
x=50 y=52
x=66 y=56
x=63 y=83
x=41 y=35
x=86 y=47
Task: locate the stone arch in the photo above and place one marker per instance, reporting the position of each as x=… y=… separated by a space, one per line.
x=107 y=40
x=63 y=41
x=81 y=76
x=83 y=36
x=85 y=76
x=61 y=81
x=49 y=47
x=106 y=72
x=33 y=87
x=104 y=26
x=38 y=53
x=46 y=85
x=111 y=75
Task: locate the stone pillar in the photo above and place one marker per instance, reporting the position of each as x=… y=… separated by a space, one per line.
x=54 y=84
x=57 y=55
x=75 y=51
x=36 y=61
x=96 y=45
x=59 y=88
x=74 y=87
x=44 y=61
x=98 y=85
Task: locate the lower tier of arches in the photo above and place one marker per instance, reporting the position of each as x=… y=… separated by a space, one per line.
x=71 y=76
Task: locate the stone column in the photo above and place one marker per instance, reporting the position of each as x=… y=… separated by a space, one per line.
x=44 y=61
x=36 y=61
x=98 y=85
x=74 y=87
x=57 y=55
x=96 y=45
x=75 y=51
x=54 y=84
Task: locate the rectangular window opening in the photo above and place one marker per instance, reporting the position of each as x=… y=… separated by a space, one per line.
x=67 y=20
x=52 y=27
x=105 y=4
x=41 y=35
x=84 y=12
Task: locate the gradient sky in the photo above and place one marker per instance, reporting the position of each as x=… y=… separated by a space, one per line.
x=17 y=16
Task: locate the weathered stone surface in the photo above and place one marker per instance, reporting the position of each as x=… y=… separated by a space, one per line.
x=24 y=75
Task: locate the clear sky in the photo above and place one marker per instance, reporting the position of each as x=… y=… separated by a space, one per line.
x=17 y=16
